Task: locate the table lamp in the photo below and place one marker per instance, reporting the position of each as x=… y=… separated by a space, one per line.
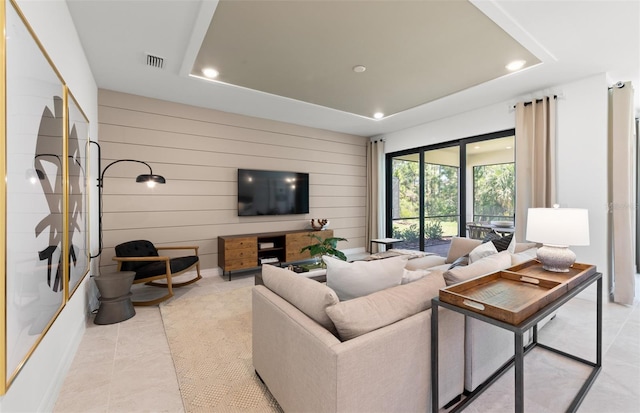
x=556 y=229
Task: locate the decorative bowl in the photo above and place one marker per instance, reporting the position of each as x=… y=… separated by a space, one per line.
x=502 y=224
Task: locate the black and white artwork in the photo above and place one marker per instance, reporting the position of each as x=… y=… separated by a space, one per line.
x=34 y=191
x=77 y=155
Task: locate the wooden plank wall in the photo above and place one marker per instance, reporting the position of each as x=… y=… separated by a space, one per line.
x=199 y=151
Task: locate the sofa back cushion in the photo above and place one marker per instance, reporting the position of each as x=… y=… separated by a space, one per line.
x=483 y=266
x=364 y=314
x=355 y=279
x=308 y=296
x=461 y=246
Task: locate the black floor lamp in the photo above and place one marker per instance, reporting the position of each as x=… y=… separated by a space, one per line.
x=150 y=179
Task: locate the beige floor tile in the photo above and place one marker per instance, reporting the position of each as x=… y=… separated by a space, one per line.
x=127 y=367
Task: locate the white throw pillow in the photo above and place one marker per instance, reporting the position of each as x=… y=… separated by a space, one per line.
x=484 y=266
x=481 y=251
x=413 y=275
x=355 y=279
x=524 y=256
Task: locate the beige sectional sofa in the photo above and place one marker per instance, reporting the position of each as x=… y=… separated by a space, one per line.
x=370 y=353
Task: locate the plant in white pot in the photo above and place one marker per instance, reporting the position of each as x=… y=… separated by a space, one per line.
x=325 y=246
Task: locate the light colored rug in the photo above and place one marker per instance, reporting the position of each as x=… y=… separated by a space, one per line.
x=210 y=341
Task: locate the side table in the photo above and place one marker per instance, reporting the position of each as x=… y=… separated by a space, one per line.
x=520 y=350
x=115 y=297
x=387 y=242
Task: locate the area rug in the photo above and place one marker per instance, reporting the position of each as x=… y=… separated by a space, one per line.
x=210 y=341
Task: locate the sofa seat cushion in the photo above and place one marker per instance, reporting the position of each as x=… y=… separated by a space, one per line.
x=355 y=279
x=361 y=315
x=483 y=266
x=308 y=296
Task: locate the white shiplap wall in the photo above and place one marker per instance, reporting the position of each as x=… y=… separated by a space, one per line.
x=199 y=151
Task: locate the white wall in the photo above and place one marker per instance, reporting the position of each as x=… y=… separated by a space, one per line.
x=582 y=151
x=36 y=387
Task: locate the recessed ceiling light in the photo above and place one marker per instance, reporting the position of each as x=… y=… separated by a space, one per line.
x=378 y=115
x=516 y=65
x=209 y=72
x=476 y=147
x=359 y=68
x=508 y=147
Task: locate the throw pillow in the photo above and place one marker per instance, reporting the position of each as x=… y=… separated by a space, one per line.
x=364 y=314
x=308 y=296
x=464 y=260
x=481 y=251
x=523 y=246
x=354 y=279
x=524 y=256
x=491 y=235
x=484 y=266
x=502 y=243
x=424 y=262
x=460 y=246
x=413 y=275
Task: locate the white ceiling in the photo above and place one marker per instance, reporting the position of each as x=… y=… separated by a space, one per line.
x=571 y=39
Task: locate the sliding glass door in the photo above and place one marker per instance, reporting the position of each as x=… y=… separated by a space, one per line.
x=437 y=192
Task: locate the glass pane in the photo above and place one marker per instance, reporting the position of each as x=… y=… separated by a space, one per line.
x=405 y=200
x=490 y=191
x=441 y=198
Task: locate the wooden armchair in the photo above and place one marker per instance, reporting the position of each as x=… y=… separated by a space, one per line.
x=143 y=258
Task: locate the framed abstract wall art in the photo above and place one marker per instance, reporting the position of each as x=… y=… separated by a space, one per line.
x=33 y=192
x=78 y=195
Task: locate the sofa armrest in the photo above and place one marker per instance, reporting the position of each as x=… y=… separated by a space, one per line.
x=306 y=368
x=292 y=354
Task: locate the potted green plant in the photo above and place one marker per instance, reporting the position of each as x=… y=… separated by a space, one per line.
x=326 y=246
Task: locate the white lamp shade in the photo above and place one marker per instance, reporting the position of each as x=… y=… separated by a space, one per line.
x=558 y=226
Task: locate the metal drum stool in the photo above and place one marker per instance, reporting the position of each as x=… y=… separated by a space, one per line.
x=115 y=297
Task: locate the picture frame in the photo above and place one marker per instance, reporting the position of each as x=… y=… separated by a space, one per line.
x=32 y=193
x=77 y=141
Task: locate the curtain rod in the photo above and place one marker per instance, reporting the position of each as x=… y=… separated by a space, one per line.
x=513 y=107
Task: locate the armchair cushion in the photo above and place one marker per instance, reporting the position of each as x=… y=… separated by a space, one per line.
x=138 y=248
x=147 y=269
x=154 y=268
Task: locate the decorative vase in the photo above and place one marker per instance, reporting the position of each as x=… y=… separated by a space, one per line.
x=319 y=224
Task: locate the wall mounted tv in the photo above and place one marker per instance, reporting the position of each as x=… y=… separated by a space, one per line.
x=272 y=192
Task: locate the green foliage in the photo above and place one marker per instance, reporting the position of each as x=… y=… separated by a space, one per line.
x=433 y=230
x=441 y=190
x=494 y=190
x=327 y=246
x=406 y=181
x=407 y=233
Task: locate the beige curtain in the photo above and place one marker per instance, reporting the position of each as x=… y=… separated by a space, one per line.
x=535 y=159
x=375 y=192
x=621 y=199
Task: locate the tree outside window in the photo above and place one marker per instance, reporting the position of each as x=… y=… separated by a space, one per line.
x=494 y=192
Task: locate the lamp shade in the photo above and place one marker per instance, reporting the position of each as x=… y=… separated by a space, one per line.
x=158 y=179
x=558 y=226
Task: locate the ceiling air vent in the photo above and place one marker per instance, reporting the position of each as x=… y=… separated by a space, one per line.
x=155 y=61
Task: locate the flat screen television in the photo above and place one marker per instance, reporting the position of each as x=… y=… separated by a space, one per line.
x=272 y=192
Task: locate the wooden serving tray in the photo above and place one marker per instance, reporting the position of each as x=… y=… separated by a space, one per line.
x=577 y=273
x=504 y=295
x=516 y=293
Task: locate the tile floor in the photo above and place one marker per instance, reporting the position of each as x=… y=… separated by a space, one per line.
x=127 y=367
